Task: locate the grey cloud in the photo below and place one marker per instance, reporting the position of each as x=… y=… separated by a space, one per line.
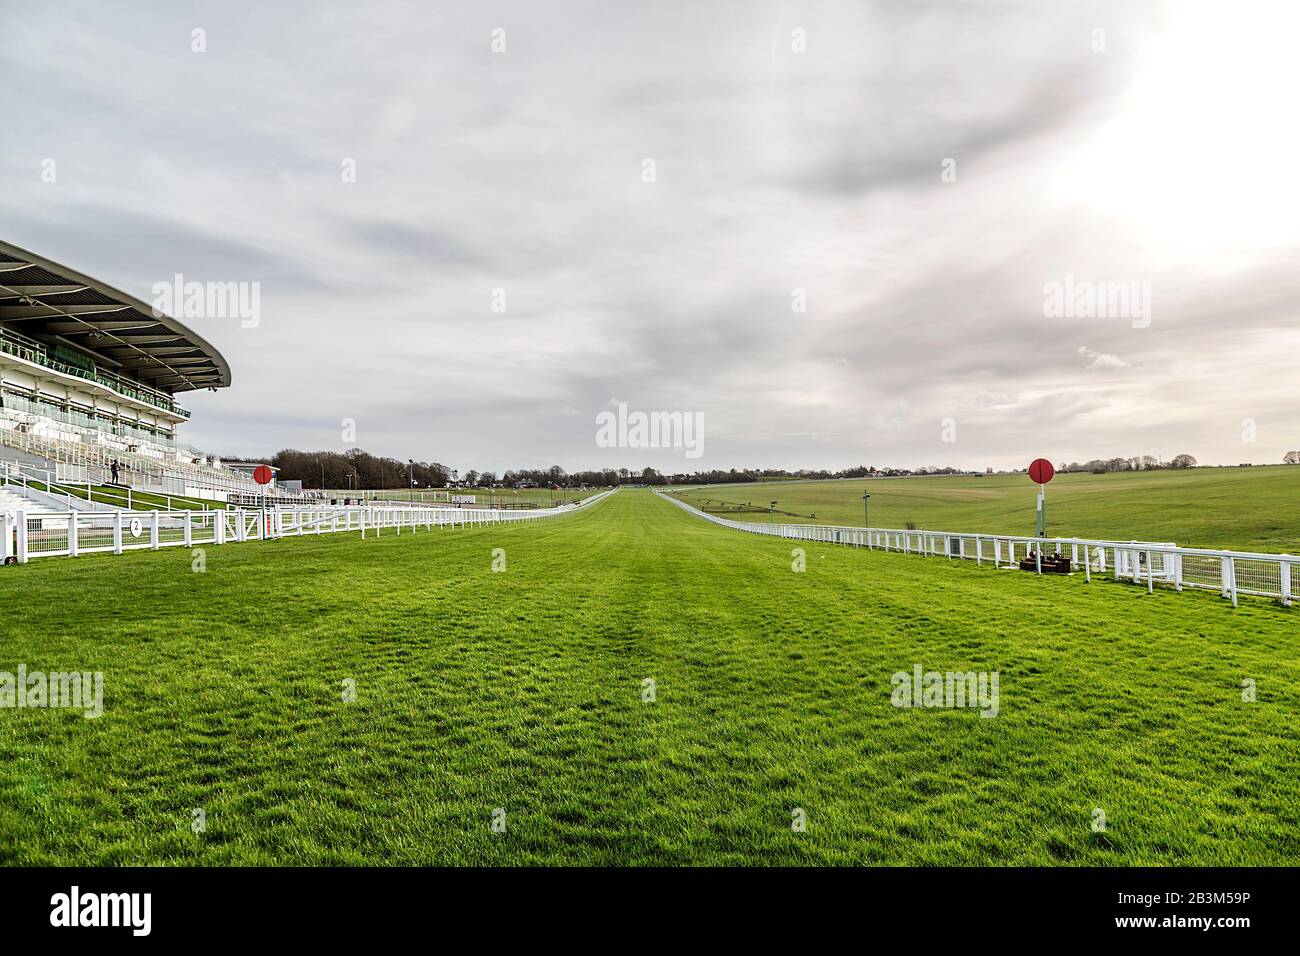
x=776 y=171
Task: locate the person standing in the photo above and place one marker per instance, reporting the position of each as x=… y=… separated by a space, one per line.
x=114 y=471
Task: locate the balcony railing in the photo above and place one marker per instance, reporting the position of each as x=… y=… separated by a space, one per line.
x=32 y=351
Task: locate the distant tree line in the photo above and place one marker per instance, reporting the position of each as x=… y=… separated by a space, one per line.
x=361 y=470
x=1099 y=466
x=357 y=469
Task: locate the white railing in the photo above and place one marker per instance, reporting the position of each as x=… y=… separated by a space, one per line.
x=73 y=533
x=1231 y=573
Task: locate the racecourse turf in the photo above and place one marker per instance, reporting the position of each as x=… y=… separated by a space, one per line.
x=1249 y=509
x=522 y=690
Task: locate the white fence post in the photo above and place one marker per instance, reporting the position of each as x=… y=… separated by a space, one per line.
x=153 y=531
x=189 y=532
x=21 y=519
x=72 y=534
x=117 y=532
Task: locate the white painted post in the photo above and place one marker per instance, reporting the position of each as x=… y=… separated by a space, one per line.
x=153 y=532
x=219 y=527
x=1229 y=578
x=117 y=532
x=189 y=533
x=1151 y=573
x=72 y=534
x=21 y=519
x=1284 y=574
x=6 y=536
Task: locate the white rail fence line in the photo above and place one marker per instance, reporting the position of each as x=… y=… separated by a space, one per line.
x=73 y=533
x=1231 y=573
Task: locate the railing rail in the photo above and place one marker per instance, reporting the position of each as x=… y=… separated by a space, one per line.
x=29 y=350
x=26 y=536
x=1231 y=573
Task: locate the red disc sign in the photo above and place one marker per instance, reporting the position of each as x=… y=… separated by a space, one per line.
x=262 y=474
x=1041 y=471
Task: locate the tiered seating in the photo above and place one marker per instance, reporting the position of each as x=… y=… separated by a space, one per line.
x=143 y=462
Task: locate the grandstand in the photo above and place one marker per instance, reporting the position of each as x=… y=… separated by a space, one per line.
x=88 y=378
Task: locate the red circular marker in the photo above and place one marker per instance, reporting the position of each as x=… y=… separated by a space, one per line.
x=262 y=474
x=1041 y=471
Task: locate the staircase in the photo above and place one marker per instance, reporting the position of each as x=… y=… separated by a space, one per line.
x=13 y=503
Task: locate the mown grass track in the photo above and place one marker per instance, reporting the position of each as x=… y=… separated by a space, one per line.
x=523 y=690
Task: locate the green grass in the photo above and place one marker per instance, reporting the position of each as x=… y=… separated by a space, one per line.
x=1242 y=508
x=522 y=690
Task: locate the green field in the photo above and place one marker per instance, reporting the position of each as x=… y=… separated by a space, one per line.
x=495 y=497
x=1243 y=508
x=523 y=690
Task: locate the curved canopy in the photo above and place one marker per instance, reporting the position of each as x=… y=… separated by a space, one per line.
x=44 y=300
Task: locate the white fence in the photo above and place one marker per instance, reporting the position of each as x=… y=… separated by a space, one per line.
x=1231 y=573
x=72 y=533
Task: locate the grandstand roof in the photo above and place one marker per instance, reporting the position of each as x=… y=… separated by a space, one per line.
x=41 y=299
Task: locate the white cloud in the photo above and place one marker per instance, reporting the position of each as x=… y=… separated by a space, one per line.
x=1103 y=360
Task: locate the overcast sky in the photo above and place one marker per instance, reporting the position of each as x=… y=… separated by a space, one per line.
x=1159 y=151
